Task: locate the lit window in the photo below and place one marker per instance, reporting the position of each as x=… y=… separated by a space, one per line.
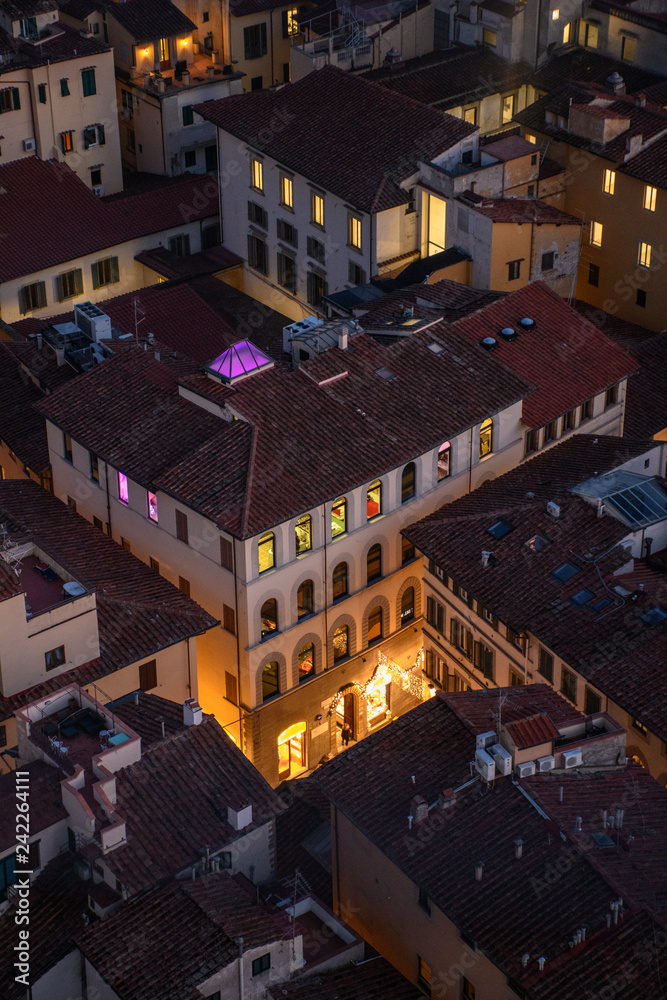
x=508 y=108
x=286 y=192
x=644 y=255
x=609 y=181
x=407 y=551
x=591 y=36
x=152 y=506
x=408 y=482
x=67 y=141
x=340 y=581
x=596 y=234
x=317 y=210
x=424 y=974
x=444 y=460
x=555 y=14
x=408 y=605
x=470 y=115
x=304 y=534
x=266 y=552
x=339 y=517
x=269 y=617
x=354 y=232
x=566 y=33
x=489 y=37
x=290 y=24
x=374 y=563
x=374 y=500
x=67 y=447
x=341 y=642
x=94 y=467
x=467 y=989
x=375 y=626
x=306 y=661
x=123 y=494
x=486 y=438
x=530 y=138
x=650 y=195
x=628 y=46
x=304 y=599
x=256 y=174
x=270 y=680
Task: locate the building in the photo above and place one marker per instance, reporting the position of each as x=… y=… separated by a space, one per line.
x=631 y=32
x=57 y=94
x=553 y=573
x=349 y=983
x=88 y=245
x=77 y=607
x=480 y=858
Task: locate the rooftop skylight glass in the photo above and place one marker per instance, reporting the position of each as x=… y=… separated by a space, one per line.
x=239 y=361
x=602 y=603
x=565 y=572
x=500 y=529
x=653 y=616
x=537 y=543
x=582 y=597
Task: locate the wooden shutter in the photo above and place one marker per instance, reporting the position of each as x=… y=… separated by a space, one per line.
x=78 y=282
x=228 y=619
x=184 y=585
x=95 y=272
x=115 y=273
x=101 y=139
x=182 y=526
x=285 y=25
x=148 y=675
x=60 y=287
x=16 y=99
x=226 y=554
x=441 y=619
x=231 y=688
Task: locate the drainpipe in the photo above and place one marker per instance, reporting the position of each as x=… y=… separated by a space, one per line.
x=239 y=942
x=326 y=592
x=187 y=643
x=238 y=657
x=106 y=478
x=271 y=27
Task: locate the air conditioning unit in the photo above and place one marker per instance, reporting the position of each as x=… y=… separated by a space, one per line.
x=98 y=189
x=546 y=763
x=92 y=321
x=571 y=758
x=29 y=145
x=483 y=740
x=553 y=509
x=484 y=763
x=525 y=769
x=502 y=758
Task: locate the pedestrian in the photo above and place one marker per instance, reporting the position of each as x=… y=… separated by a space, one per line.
x=346 y=734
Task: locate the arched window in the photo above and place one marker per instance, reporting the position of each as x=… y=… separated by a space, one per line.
x=407 y=551
x=486 y=438
x=304 y=599
x=374 y=563
x=339 y=517
x=444 y=455
x=306 y=661
x=341 y=642
x=408 y=482
x=340 y=581
x=266 y=552
x=304 y=534
x=375 y=626
x=270 y=682
x=408 y=605
x=269 y=617
x=374 y=500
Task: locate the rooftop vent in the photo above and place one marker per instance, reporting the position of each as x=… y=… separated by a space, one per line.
x=192 y=713
x=436 y=348
x=527 y=323
x=553 y=509
x=486 y=556
x=489 y=343
x=238 y=362
x=385 y=374
x=508 y=333
x=239 y=818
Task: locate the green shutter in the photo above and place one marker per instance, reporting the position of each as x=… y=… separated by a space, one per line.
x=64 y=87
x=60 y=287
x=40 y=294
x=95 y=272
x=101 y=139
x=188 y=116
x=24 y=301
x=115 y=276
x=78 y=282
x=16 y=100
x=263 y=35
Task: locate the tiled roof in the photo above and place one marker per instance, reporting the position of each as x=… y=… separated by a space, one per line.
x=148 y=714
x=587 y=66
x=479 y=710
x=428 y=750
x=532 y=731
x=444 y=299
x=510 y=148
x=374 y=979
x=171 y=265
x=67 y=44
x=420 y=270
x=16 y=9
x=650 y=164
x=21 y=427
x=522 y=210
x=147 y=20
x=241 y=8
x=138 y=611
x=564 y=355
x=387 y=131
x=48 y=197
x=46 y=806
x=159 y=793
x=656 y=19
x=306 y=816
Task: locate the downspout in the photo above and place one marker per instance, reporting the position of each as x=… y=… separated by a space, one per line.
x=537 y=31
x=271 y=26
x=106 y=478
x=187 y=643
x=337 y=899
x=239 y=942
x=470 y=464
x=238 y=650
x=326 y=593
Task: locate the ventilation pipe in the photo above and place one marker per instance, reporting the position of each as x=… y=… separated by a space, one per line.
x=518 y=848
x=479 y=868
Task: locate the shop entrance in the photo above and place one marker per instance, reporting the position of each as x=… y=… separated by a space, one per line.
x=346 y=715
x=292 y=750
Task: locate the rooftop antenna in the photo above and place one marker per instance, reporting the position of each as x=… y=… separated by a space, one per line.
x=139 y=311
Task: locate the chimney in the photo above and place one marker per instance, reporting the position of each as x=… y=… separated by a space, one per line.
x=541 y=962
x=577 y=824
x=419 y=809
x=60 y=356
x=342 y=338
x=185 y=78
x=40 y=341
x=616 y=83
x=211 y=72
x=192 y=713
x=160 y=84
x=620 y=812
x=479 y=868
x=485 y=557
x=447 y=798
x=518 y=848
x=393 y=59
x=239 y=818
x=641 y=100
x=136 y=697
x=604 y=819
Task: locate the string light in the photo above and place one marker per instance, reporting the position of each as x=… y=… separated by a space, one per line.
x=410 y=679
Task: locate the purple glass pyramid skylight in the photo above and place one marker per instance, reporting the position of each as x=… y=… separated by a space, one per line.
x=239 y=361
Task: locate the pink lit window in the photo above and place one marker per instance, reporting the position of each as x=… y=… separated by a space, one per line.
x=123 y=495
x=152 y=506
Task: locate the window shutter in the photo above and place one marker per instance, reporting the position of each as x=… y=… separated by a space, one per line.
x=115 y=274
x=226 y=554
x=24 y=300
x=441 y=619
x=148 y=675
x=60 y=287
x=231 y=688
x=263 y=37
x=95 y=271
x=16 y=99
x=78 y=282
x=101 y=140
x=469 y=645
x=40 y=294
x=228 y=619
x=181 y=526
x=285 y=25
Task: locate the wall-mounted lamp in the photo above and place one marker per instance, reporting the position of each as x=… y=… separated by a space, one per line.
x=318 y=718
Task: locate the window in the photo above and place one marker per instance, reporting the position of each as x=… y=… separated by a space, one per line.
x=568 y=420
x=266 y=552
x=593 y=275
x=374 y=500
x=546 y=665
x=408 y=482
x=483 y=659
x=190 y=158
x=592 y=702
x=148 y=675
x=204 y=18
x=555 y=14
x=256 y=174
x=123 y=492
x=424 y=975
x=286 y=192
x=513 y=270
x=69 y=284
x=264 y=962
x=184 y=586
x=586 y=410
x=640 y=727
x=290 y=24
x=407 y=551
x=228 y=619
x=256 y=83
x=568 y=685
x=315 y=249
x=470 y=115
x=105 y=272
x=489 y=37
x=180 y=245
x=187 y=114
x=286 y=272
x=408 y=605
x=254 y=41
x=304 y=534
x=641 y=298
x=182 y=526
x=306 y=660
x=444 y=459
x=94 y=467
x=93 y=135
x=304 y=599
x=375 y=626
x=88 y=82
x=54 y=658
x=32 y=297
x=410 y=207
x=98 y=523
x=316 y=288
x=515 y=679
x=422 y=901
x=486 y=438
x=64 y=87
x=467 y=989
x=354 y=232
x=550 y=432
x=650 y=195
x=611 y=396
x=628 y=46
x=644 y=255
x=231 y=688
x=548 y=261
x=66 y=142
x=596 y=234
x=341 y=642
x=10 y=100
x=210 y=236
x=609 y=181
x=154 y=565
x=355 y=273
x=508 y=108
x=67 y=447
x=3 y=736
x=374 y=563
x=151 y=506
x=567 y=31
x=257 y=255
x=41 y=93
x=339 y=517
x=269 y=617
x=340 y=582
x=591 y=35
x=270 y=680
x=131 y=143
x=71 y=503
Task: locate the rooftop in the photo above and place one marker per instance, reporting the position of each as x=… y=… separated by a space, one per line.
x=146 y=20
x=60 y=43
x=373 y=979
x=386 y=130
x=522 y=210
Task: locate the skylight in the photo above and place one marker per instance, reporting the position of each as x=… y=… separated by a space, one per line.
x=238 y=362
x=500 y=529
x=602 y=603
x=582 y=597
x=565 y=572
x=653 y=616
x=436 y=348
x=385 y=374
x=537 y=543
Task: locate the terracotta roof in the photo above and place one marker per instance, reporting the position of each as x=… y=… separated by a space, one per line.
x=306 y=817
x=587 y=66
x=148 y=714
x=158 y=793
x=532 y=731
x=241 y=8
x=565 y=356
x=522 y=210
x=372 y=786
x=478 y=710
x=21 y=427
x=388 y=131
x=511 y=148
x=443 y=299
x=48 y=197
x=147 y=20
x=650 y=165
x=170 y=265
x=64 y=44
x=374 y=979
x=46 y=808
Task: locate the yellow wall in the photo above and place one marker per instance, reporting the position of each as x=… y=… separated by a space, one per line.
x=270 y=66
